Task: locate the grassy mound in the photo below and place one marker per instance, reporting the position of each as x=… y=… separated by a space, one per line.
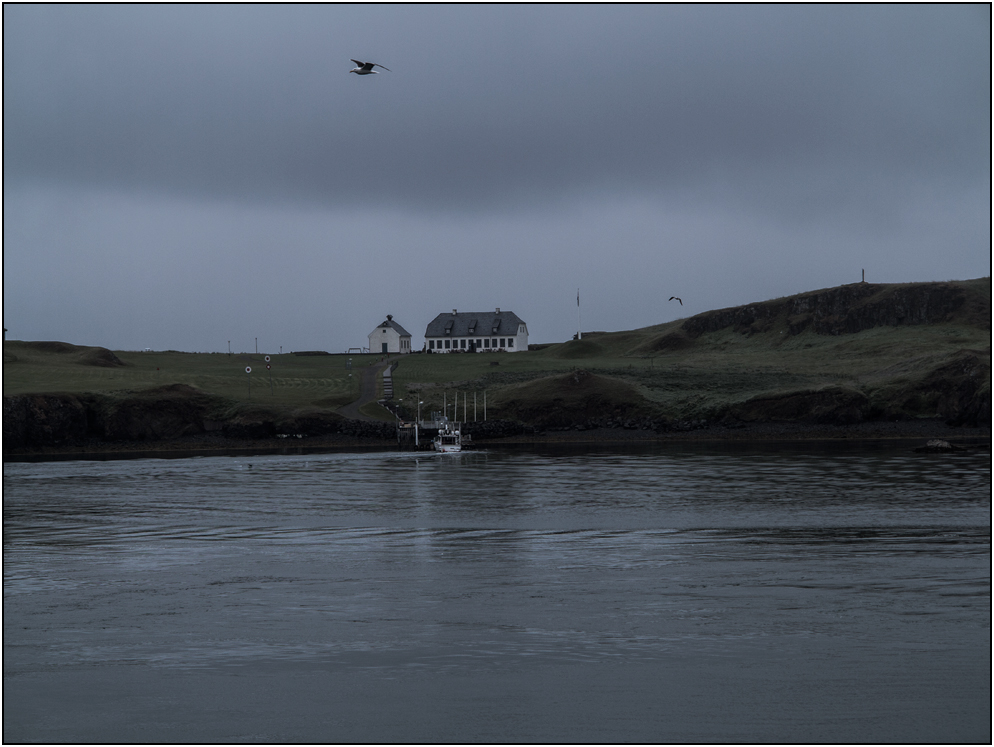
x=574 y=349
x=99 y=357
x=72 y=354
x=569 y=399
x=674 y=340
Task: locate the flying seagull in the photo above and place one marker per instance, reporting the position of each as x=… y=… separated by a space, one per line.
x=674 y=298
x=366 y=68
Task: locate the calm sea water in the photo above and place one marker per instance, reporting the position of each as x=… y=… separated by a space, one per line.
x=802 y=594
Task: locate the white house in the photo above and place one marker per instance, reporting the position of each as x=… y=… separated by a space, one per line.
x=476 y=331
x=389 y=337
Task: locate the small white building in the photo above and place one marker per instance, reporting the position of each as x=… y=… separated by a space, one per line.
x=477 y=332
x=389 y=337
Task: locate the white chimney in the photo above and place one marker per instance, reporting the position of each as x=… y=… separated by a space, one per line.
x=453 y=312
x=498 y=309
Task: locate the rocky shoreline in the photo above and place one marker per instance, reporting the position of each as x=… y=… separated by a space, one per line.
x=914 y=434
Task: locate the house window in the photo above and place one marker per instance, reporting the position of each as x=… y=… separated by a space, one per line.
x=493 y=342
x=486 y=343
x=503 y=342
x=510 y=342
x=431 y=344
x=447 y=346
x=462 y=344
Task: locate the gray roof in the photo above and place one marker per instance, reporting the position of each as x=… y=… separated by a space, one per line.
x=393 y=325
x=474 y=323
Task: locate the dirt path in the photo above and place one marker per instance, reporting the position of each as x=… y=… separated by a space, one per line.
x=367 y=392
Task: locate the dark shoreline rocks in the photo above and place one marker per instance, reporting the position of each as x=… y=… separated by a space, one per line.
x=175 y=413
x=918 y=433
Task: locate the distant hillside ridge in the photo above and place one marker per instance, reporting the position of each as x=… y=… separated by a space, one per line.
x=84 y=355
x=848 y=309
x=852 y=354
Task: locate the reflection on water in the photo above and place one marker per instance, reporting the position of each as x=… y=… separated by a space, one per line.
x=654 y=594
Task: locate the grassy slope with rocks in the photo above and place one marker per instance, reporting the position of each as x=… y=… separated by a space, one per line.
x=839 y=356
x=842 y=355
x=862 y=352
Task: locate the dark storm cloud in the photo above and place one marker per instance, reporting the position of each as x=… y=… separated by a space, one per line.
x=497 y=104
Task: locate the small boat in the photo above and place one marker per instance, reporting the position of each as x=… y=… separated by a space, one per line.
x=448 y=440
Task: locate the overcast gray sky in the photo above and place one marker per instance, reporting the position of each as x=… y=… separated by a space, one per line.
x=178 y=176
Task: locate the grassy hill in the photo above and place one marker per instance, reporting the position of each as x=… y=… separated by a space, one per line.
x=847 y=354
x=901 y=350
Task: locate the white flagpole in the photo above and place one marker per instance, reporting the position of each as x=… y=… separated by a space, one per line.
x=579 y=333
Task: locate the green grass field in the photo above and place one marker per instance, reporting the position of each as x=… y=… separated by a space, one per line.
x=297 y=381
x=716 y=369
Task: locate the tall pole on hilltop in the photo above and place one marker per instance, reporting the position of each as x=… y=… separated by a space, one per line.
x=579 y=334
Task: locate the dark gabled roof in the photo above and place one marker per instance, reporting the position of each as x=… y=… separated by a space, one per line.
x=482 y=324
x=393 y=325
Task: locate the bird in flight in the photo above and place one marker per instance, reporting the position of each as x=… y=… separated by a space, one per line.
x=366 y=68
x=674 y=298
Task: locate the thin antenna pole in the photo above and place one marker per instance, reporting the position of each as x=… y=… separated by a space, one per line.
x=579 y=333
